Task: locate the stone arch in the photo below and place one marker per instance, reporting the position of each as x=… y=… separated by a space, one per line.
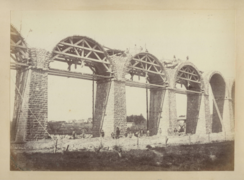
x=187 y=74
x=217 y=82
x=150 y=58
x=84 y=51
x=147 y=65
x=177 y=70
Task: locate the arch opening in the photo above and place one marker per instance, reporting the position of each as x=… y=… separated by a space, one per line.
x=81 y=54
x=188 y=98
x=188 y=77
x=146 y=72
x=147 y=68
x=217 y=90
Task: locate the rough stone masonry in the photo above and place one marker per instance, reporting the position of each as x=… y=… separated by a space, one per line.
x=31 y=114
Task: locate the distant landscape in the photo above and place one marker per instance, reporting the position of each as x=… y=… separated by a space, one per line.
x=134 y=123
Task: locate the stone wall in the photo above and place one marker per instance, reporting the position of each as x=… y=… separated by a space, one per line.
x=103 y=103
x=172 y=110
x=110 y=103
x=21 y=122
x=155 y=111
x=20 y=85
x=33 y=113
x=193 y=107
x=38 y=100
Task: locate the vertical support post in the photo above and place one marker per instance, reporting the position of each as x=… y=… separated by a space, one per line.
x=93 y=101
x=147 y=107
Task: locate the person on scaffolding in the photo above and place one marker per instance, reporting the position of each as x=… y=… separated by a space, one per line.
x=117 y=133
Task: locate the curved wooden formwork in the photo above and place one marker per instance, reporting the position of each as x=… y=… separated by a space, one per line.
x=83 y=51
x=18 y=49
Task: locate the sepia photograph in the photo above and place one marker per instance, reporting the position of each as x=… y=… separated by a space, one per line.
x=122 y=90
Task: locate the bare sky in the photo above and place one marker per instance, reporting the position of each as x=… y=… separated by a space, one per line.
x=207 y=37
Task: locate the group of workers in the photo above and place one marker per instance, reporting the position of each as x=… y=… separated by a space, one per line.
x=138 y=134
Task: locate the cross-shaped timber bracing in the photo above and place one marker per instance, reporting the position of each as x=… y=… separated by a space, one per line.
x=110 y=67
x=82 y=51
x=18 y=49
x=189 y=77
x=146 y=65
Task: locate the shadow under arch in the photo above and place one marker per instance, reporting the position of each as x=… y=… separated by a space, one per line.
x=215 y=86
x=187 y=75
x=195 y=76
x=148 y=66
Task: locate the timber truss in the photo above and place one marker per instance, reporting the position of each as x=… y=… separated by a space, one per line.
x=146 y=65
x=82 y=51
x=18 y=50
x=188 y=76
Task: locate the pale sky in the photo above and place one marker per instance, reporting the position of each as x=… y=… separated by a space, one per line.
x=207 y=37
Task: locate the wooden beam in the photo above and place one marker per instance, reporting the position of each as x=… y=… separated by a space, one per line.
x=13 y=57
x=147 y=70
x=18 y=46
x=81 y=47
x=97 y=56
x=13 y=33
x=142 y=85
x=189 y=80
x=146 y=62
x=85 y=58
x=186 y=91
x=188 y=73
x=20 y=64
x=75 y=74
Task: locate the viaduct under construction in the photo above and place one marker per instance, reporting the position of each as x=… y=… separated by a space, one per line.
x=109 y=67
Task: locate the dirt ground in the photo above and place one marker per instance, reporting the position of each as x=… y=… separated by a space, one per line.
x=217 y=156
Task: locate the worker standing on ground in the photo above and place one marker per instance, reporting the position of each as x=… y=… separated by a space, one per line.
x=148 y=132
x=73 y=134
x=102 y=133
x=117 y=133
